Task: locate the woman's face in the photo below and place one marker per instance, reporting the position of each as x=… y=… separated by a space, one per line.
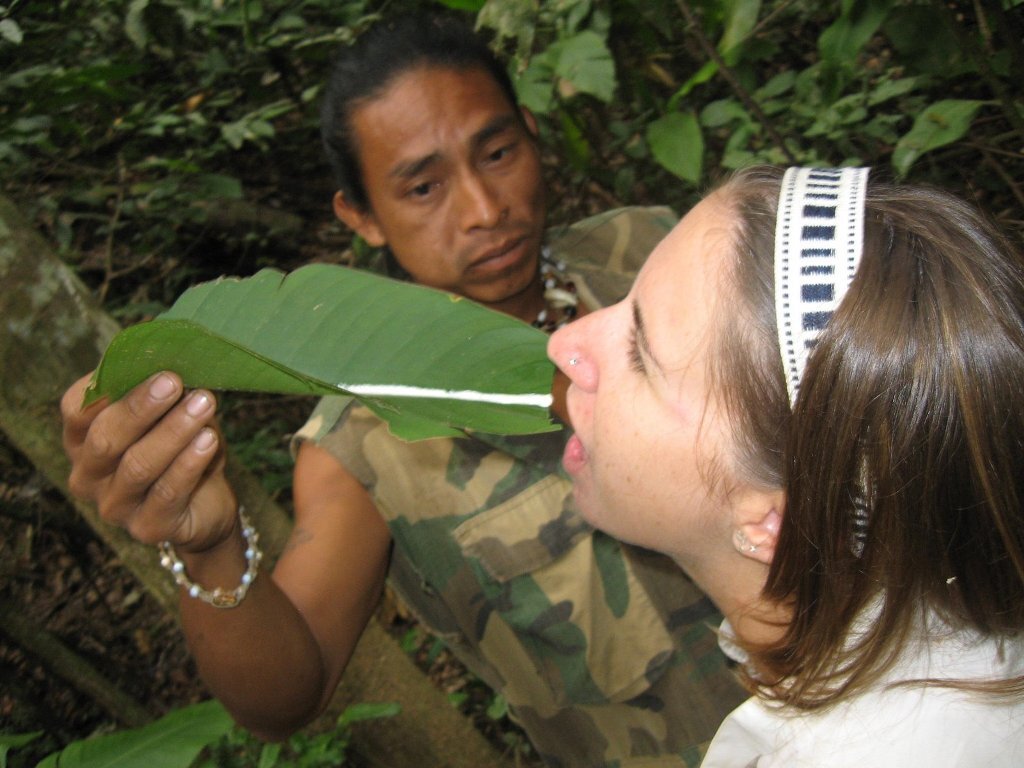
x=647 y=430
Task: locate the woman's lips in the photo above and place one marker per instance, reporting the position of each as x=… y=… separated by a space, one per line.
x=574 y=458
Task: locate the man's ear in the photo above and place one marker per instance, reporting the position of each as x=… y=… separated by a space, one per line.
x=359 y=220
x=757 y=521
x=530 y=120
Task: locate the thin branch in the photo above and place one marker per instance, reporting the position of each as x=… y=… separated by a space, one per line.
x=766 y=21
x=1007 y=178
x=1009 y=104
x=108 y=250
x=732 y=80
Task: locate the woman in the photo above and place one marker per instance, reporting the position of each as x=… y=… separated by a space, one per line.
x=851 y=501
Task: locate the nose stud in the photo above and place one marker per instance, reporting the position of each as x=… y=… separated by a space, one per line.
x=574 y=361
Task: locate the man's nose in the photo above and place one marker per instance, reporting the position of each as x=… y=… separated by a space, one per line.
x=480 y=203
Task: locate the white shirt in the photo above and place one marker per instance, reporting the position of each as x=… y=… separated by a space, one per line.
x=904 y=727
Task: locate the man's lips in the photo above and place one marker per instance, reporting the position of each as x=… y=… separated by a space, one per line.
x=498 y=257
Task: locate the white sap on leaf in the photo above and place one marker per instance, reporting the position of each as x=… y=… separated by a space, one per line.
x=400 y=390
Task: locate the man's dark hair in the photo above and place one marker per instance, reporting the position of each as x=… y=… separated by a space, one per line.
x=363 y=71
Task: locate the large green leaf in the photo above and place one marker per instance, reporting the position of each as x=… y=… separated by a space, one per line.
x=940 y=124
x=428 y=362
x=173 y=741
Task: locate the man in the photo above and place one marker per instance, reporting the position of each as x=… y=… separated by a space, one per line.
x=601 y=649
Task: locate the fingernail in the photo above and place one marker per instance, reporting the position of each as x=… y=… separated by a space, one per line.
x=205 y=440
x=198 y=404
x=162 y=387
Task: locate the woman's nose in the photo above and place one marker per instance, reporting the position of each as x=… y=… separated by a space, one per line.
x=569 y=349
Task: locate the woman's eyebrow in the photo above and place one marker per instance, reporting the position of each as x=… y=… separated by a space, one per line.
x=640 y=333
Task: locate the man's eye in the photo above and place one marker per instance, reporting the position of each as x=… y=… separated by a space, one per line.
x=500 y=153
x=421 y=190
x=636 y=360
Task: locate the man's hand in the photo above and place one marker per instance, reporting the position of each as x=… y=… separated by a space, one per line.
x=152 y=462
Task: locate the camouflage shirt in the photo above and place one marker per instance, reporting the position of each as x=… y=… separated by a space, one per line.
x=605 y=652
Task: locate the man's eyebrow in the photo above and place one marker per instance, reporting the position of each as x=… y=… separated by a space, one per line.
x=640 y=334
x=408 y=169
x=499 y=124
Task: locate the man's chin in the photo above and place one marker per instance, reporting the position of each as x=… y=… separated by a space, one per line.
x=506 y=289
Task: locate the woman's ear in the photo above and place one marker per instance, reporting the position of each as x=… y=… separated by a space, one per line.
x=359 y=220
x=757 y=522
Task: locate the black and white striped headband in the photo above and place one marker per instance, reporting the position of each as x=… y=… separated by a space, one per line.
x=819 y=236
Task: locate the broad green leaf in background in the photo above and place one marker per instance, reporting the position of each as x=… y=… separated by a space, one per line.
x=741 y=20
x=11 y=32
x=135 y=25
x=464 y=5
x=511 y=20
x=860 y=19
x=535 y=86
x=173 y=741
x=218 y=185
x=677 y=143
x=577 y=150
x=427 y=362
x=942 y=123
x=926 y=42
x=9 y=741
x=722 y=112
x=584 y=64
x=370 y=710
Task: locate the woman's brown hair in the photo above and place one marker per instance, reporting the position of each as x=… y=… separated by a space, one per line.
x=902 y=459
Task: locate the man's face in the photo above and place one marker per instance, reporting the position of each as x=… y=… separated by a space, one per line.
x=453 y=178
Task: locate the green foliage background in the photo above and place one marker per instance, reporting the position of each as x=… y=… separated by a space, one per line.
x=161 y=141
x=164 y=142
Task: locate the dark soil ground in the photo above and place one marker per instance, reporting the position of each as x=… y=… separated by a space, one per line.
x=57 y=577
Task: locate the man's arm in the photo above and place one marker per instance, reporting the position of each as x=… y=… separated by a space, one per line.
x=275 y=660
x=152 y=464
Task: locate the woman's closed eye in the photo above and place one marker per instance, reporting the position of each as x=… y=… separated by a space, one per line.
x=636 y=358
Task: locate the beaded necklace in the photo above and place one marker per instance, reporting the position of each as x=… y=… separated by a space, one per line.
x=560 y=297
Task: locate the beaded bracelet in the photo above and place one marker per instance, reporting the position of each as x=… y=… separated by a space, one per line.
x=218 y=598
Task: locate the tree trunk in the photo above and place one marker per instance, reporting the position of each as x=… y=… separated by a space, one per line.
x=60 y=659
x=55 y=332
